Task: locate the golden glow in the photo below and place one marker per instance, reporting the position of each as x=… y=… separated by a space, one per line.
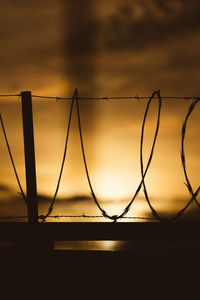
x=110 y=185
x=113 y=161
x=120 y=67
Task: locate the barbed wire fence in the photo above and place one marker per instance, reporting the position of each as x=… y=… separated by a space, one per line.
x=155 y=215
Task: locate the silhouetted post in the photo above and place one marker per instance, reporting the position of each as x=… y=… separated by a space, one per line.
x=29 y=150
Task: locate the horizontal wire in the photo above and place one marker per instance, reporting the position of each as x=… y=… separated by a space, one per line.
x=104 y=98
x=94 y=217
x=116 y=97
x=98 y=216
x=73 y=216
x=9 y=95
x=42 y=217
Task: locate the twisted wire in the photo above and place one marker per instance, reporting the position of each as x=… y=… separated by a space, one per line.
x=193 y=195
x=84 y=159
x=104 y=213
x=12 y=160
x=155 y=95
x=43 y=217
x=153 y=145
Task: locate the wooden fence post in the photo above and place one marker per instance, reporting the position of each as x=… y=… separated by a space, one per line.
x=31 y=185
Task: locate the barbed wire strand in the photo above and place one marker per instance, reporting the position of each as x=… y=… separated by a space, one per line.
x=95 y=217
x=138 y=98
x=154 y=141
x=77 y=216
x=12 y=160
x=104 y=214
x=114 y=97
x=84 y=159
x=194 y=195
x=152 y=148
x=188 y=184
x=9 y=95
x=43 y=217
x=114 y=217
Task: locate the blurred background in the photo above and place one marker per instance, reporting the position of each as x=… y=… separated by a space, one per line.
x=103 y=48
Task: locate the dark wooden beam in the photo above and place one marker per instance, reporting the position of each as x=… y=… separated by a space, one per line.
x=100 y=231
x=29 y=150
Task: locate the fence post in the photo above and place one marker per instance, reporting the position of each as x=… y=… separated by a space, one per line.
x=31 y=185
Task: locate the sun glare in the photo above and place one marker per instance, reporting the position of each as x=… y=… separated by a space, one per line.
x=111 y=186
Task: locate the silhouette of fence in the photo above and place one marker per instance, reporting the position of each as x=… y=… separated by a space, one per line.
x=46 y=233
x=31 y=197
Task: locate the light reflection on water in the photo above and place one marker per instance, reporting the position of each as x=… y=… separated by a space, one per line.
x=142 y=247
x=86 y=245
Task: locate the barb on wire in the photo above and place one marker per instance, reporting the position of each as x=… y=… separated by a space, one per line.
x=104 y=213
x=12 y=160
x=43 y=217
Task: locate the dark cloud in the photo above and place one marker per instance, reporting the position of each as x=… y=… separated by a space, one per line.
x=187 y=60
x=4 y=188
x=30 y=41
x=159 y=22
x=42 y=199
x=36 y=36
x=76 y=199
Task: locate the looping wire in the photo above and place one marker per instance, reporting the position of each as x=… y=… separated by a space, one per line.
x=12 y=160
x=188 y=185
x=127 y=208
x=114 y=218
x=183 y=160
x=43 y=218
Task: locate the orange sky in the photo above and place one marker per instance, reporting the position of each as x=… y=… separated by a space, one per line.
x=127 y=49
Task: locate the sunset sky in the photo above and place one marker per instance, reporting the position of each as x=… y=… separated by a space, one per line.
x=103 y=48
